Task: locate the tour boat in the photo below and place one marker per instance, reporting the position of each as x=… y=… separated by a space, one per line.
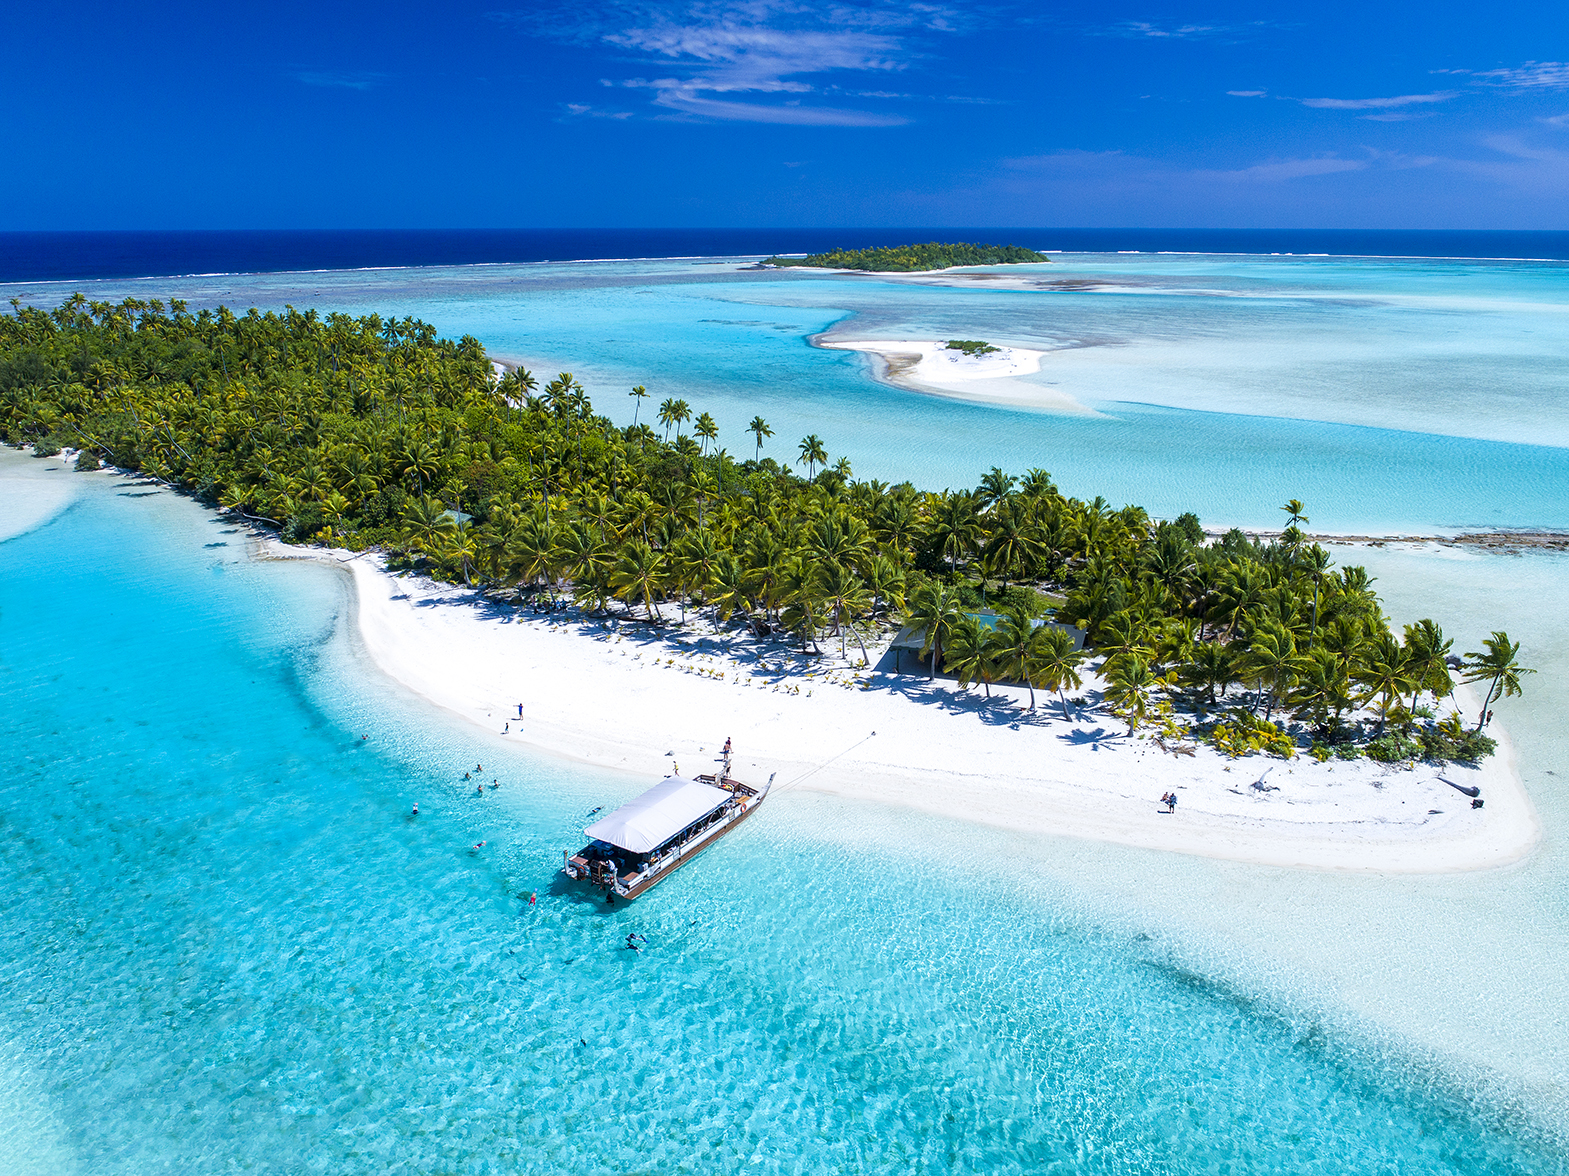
x=648 y=838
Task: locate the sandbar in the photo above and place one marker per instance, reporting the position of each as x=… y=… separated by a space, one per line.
x=924 y=365
x=621 y=694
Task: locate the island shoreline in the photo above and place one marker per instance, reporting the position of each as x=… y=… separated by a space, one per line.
x=457 y=649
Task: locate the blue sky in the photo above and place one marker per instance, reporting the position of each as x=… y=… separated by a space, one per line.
x=771 y=112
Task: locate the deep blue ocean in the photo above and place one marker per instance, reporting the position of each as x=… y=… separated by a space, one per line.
x=63 y=256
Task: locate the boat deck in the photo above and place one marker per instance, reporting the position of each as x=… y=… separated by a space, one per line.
x=627 y=875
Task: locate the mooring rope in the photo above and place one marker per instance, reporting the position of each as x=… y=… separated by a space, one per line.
x=810 y=771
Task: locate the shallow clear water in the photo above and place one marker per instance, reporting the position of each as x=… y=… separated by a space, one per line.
x=228 y=947
x=1388 y=394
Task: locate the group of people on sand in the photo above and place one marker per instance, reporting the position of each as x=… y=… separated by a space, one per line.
x=1169 y=799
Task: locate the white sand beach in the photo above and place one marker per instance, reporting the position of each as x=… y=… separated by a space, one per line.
x=927 y=365
x=624 y=695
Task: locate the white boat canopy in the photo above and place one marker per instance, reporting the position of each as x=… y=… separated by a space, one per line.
x=658 y=815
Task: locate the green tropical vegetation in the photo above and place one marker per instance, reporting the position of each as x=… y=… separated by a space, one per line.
x=933 y=255
x=365 y=432
x=970 y=347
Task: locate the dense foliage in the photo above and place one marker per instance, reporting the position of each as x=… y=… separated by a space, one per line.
x=907 y=258
x=360 y=432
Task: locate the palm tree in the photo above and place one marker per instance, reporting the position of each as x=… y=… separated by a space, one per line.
x=638 y=576
x=1323 y=689
x=1385 y=675
x=638 y=393
x=955 y=525
x=886 y=580
x=1054 y=663
x=1273 y=661
x=419 y=463
x=936 y=609
x=1012 y=547
x=1129 y=685
x=585 y=556
x=1428 y=650
x=1015 y=638
x=459 y=545
x=1315 y=563
x=1499 y=667
x=694 y=559
x=426 y=522
x=1211 y=668
x=972 y=652
x=996 y=487
x=759 y=429
x=667 y=414
x=533 y=547
x=727 y=589
x=707 y=430
x=845 y=597
x=804 y=612
x=680 y=413
x=812 y=454
x=1239 y=596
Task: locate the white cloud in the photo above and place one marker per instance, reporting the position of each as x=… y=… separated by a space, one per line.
x=341 y=79
x=1143 y=28
x=688 y=98
x=1247 y=93
x=581 y=110
x=1533 y=75
x=720 y=52
x=1279 y=170
x=1376 y=103
x=1128 y=170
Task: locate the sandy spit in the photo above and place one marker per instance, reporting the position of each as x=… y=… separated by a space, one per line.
x=621 y=694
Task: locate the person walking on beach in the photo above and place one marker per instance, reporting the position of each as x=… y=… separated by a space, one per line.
x=1171 y=802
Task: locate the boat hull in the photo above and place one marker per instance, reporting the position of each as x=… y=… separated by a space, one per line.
x=630 y=885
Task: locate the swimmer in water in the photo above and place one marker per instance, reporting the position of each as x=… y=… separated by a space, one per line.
x=416 y=809
x=479 y=846
x=495 y=783
x=479 y=790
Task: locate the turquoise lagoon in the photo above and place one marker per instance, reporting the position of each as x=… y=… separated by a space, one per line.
x=1219 y=384
x=229 y=949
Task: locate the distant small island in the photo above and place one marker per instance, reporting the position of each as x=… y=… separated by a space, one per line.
x=909 y=258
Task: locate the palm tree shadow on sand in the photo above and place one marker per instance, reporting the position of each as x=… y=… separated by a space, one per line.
x=776 y=657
